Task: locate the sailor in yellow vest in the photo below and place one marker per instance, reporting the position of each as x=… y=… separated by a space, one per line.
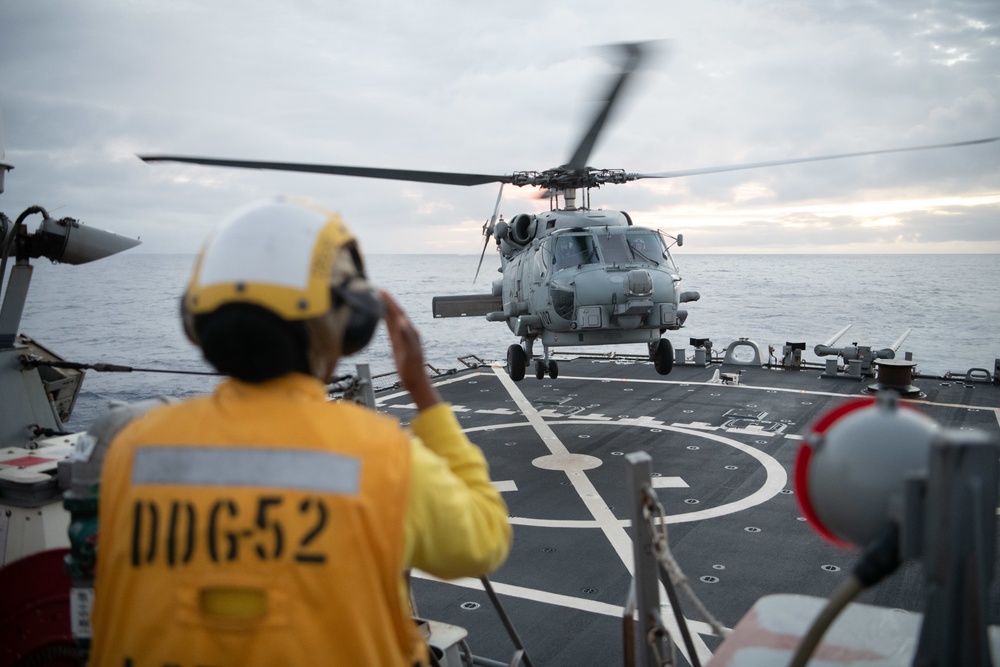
x=265 y=525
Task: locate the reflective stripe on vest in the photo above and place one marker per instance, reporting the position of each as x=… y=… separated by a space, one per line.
x=305 y=470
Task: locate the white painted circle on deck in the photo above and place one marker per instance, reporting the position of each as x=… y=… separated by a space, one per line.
x=567 y=462
x=775 y=475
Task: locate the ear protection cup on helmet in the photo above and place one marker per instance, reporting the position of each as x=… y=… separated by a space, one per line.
x=297 y=261
x=366 y=309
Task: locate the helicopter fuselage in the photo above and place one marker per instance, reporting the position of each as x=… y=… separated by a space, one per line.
x=585 y=277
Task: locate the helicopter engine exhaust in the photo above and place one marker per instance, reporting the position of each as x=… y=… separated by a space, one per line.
x=522 y=229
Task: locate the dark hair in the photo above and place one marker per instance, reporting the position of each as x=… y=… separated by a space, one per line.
x=251 y=343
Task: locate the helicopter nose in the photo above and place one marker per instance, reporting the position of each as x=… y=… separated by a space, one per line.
x=638 y=300
x=638 y=283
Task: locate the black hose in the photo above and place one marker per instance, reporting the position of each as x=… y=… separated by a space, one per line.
x=879 y=559
x=846 y=592
x=506 y=619
x=9 y=241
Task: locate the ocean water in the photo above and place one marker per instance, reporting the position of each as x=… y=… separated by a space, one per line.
x=124 y=310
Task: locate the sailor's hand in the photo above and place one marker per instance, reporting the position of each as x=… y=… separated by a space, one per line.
x=408 y=354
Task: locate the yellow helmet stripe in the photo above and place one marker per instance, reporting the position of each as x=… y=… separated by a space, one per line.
x=284 y=265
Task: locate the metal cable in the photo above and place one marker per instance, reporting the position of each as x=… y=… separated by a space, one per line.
x=661 y=549
x=654 y=645
x=32 y=362
x=648 y=498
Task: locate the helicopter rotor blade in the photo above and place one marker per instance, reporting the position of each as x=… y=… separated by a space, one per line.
x=488 y=231
x=442 y=177
x=486 y=242
x=776 y=163
x=496 y=208
x=633 y=55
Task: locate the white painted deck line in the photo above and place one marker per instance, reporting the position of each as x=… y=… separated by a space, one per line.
x=570 y=602
x=598 y=508
x=669 y=483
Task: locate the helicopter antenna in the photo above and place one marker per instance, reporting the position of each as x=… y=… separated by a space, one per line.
x=488 y=232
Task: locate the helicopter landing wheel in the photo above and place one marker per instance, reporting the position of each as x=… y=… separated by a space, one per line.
x=543 y=367
x=516 y=362
x=663 y=357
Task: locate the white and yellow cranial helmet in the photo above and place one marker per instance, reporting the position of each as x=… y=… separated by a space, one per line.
x=294 y=259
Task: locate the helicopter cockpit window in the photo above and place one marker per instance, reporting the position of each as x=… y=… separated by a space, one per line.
x=613 y=249
x=645 y=247
x=572 y=250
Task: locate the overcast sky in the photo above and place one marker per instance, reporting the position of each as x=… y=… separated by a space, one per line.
x=451 y=85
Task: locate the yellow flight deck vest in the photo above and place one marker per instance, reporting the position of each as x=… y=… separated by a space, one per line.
x=262 y=525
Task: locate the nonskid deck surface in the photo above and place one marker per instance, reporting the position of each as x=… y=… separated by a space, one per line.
x=722 y=464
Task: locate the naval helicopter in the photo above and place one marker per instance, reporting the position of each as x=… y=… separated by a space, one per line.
x=572 y=276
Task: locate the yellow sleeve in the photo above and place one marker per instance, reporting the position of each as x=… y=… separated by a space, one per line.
x=456 y=522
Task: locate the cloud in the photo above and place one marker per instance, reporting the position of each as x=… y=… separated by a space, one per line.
x=450 y=86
